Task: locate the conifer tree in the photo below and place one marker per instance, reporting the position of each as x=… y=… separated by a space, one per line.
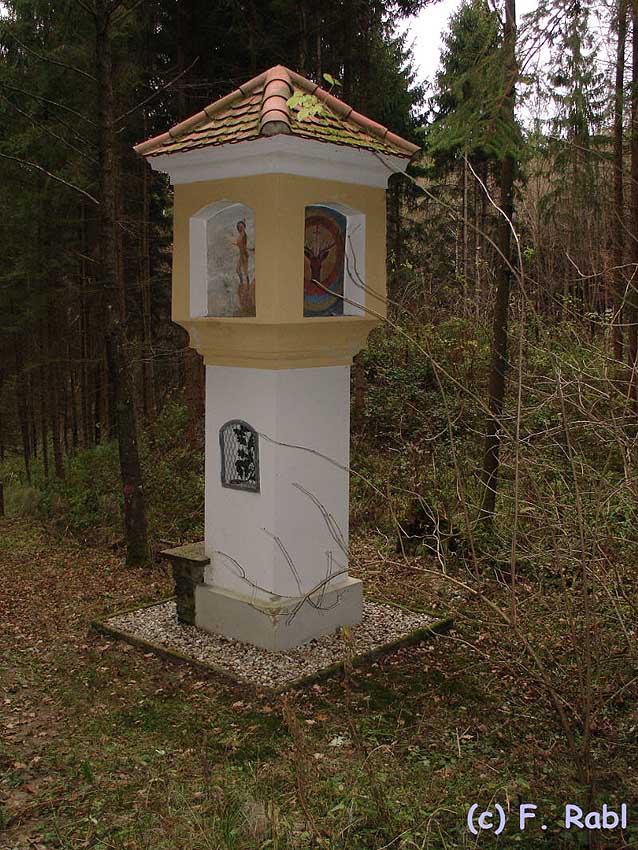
x=504 y=264
x=467 y=119
x=578 y=100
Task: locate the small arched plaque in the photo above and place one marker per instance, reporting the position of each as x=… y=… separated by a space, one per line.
x=239 y=445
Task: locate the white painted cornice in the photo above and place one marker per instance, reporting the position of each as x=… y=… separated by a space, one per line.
x=281 y=154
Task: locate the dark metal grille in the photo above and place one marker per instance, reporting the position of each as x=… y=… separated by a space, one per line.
x=239 y=445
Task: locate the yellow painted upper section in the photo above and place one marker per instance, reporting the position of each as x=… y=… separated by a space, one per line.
x=279 y=336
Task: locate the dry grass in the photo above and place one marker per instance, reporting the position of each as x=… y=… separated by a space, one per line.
x=105 y=747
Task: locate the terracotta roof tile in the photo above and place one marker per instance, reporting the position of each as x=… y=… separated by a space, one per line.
x=260 y=107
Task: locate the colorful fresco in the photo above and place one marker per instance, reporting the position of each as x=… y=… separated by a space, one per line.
x=324 y=264
x=230 y=240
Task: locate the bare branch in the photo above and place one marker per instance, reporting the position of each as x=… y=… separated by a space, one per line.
x=50 y=102
x=86 y=8
x=156 y=93
x=44 y=129
x=52 y=61
x=116 y=4
x=34 y=165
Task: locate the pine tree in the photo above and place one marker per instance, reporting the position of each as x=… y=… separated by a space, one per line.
x=468 y=137
x=578 y=100
x=466 y=103
x=504 y=265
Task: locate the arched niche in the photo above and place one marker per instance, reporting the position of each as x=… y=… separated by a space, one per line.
x=239 y=447
x=222 y=261
x=334 y=261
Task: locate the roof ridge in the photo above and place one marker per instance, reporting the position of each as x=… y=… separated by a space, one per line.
x=274 y=114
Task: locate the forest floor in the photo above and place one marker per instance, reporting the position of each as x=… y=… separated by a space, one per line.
x=107 y=747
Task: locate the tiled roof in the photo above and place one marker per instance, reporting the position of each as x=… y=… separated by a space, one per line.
x=260 y=108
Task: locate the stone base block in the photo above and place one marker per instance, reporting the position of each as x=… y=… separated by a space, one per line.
x=280 y=624
x=189 y=563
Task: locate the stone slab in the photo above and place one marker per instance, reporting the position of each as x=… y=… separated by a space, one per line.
x=279 y=624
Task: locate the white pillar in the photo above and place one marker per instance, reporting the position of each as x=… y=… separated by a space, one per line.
x=273 y=552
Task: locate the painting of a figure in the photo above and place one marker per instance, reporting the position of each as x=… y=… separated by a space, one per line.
x=230 y=270
x=324 y=264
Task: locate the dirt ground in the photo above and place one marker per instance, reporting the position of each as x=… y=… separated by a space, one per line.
x=104 y=746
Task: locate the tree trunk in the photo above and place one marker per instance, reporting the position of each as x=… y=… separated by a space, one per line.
x=2 y=438
x=134 y=509
x=43 y=418
x=476 y=287
x=23 y=415
x=632 y=295
x=53 y=404
x=148 y=372
x=97 y=402
x=318 y=55
x=73 y=398
x=137 y=550
x=465 y=236
x=498 y=360
x=193 y=363
x=54 y=418
x=63 y=389
x=619 y=201
x=359 y=407
x=348 y=23
x=88 y=430
x=195 y=386
x=303 y=38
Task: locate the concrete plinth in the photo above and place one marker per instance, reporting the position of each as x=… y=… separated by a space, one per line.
x=279 y=623
x=278 y=573
x=288 y=537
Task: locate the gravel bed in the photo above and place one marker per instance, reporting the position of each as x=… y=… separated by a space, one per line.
x=381 y=625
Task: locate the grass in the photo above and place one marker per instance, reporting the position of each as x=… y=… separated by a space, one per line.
x=106 y=747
